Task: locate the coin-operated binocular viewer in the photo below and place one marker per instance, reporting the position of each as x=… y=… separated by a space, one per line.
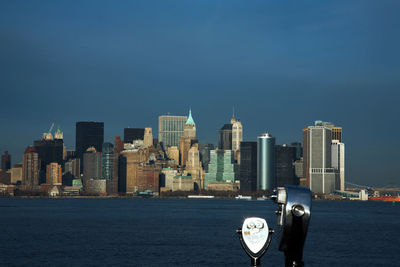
x=294 y=210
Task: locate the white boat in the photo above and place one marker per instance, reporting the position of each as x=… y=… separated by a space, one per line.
x=199 y=196
x=243 y=197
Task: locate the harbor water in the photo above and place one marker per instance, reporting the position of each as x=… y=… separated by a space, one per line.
x=186 y=232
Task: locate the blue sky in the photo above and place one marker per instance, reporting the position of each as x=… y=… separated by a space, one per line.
x=282 y=64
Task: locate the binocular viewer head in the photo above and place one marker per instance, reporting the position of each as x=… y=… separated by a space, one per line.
x=294 y=210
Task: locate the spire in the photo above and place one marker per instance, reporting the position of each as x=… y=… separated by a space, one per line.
x=190 y=118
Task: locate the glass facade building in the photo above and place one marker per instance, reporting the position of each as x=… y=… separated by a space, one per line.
x=248 y=166
x=266 y=179
x=170 y=129
x=221 y=167
x=88 y=134
x=107 y=161
x=131 y=134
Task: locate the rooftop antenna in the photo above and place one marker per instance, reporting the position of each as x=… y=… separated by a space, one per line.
x=233 y=111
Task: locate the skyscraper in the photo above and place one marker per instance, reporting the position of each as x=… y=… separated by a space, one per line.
x=193 y=167
x=131 y=134
x=266 y=179
x=107 y=161
x=88 y=134
x=5 y=161
x=248 y=166
x=221 y=167
x=49 y=151
x=237 y=134
x=190 y=127
x=30 y=168
x=148 y=137
x=53 y=174
x=285 y=156
x=204 y=150
x=170 y=129
x=188 y=139
x=338 y=161
x=320 y=176
x=225 y=137
x=92 y=164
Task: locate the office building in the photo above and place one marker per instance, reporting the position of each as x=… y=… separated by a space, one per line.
x=336 y=131
x=221 y=167
x=248 y=166
x=148 y=137
x=5 y=161
x=338 y=162
x=170 y=129
x=16 y=174
x=49 y=151
x=190 y=127
x=204 y=150
x=72 y=170
x=30 y=168
x=173 y=153
x=88 y=134
x=129 y=162
x=193 y=167
x=107 y=161
x=285 y=156
x=225 y=137
x=237 y=137
x=298 y=148
x=317 y=157
x=91 y=164
x=266 y=179
x=132 y=134
x=53 y=174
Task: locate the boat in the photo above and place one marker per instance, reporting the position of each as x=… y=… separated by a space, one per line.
x=240 y=197
x=262 y=198
x=199 y=196
x=386 y=198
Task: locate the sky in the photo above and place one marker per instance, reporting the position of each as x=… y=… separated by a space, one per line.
x=280 y=64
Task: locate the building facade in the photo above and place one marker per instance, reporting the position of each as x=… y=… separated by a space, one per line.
x=107 y=161
x=221 y=167
x=132 y=134
x=30 y=168
x=225 y=137
x=49 y=151
x=338 y=161
x=266 y=179
x=285 y=156
x=248 y=166
x=91 y=164
x=170 y=129
x=53 y=174
x=88 y=134
x=148 y=137
x=5 y=161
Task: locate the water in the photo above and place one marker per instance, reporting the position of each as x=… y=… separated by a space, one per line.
x=190 y=232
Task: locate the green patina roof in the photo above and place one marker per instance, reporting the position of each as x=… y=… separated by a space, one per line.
x=190 y=118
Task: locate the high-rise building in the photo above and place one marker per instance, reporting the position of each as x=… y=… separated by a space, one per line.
x=173 y=153
x=237 y=134
x=92 y=164
x=107 y=161
x=49 y=151
x=298 y=148
x=132 y=134
x=204 y=150
x=72 y=170
x=248 y=166
x=221 y=167
x=170 y=129
x=225 y=137
x=190 y=127
x=129 y=162
x=148 y=137
x=88 y=134
x=320 y=176
x=338 y=161
x=53 y=174
x=5 y=161
x=16 y=174
x=193 y=167
x=30 y=168
x=336 y=131
x=266 y=179
x=285 y=156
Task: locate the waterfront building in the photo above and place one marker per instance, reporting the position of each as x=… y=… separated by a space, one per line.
x=91 y=165
x=30 y=168
x=96 y=187
x=132 y=134
x=5 y=177
x=49 y=150
x=221 y=167
x=285 y=156
x=266 y=179
x=204 y=150
x=129 y=162
x=88 y=134
x=170 y=129
x=338 y=161
x=167 y=178
x=72 y=170
x=5 y=161
x=107 y=161
x=53 y=174
x=248 y=166
x=182 y=183
x=317 y=156
x=148 y=177
x=148 y=137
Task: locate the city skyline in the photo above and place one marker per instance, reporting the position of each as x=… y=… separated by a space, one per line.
x=281 y=65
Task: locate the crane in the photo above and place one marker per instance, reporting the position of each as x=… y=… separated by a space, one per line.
x=48 y=135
